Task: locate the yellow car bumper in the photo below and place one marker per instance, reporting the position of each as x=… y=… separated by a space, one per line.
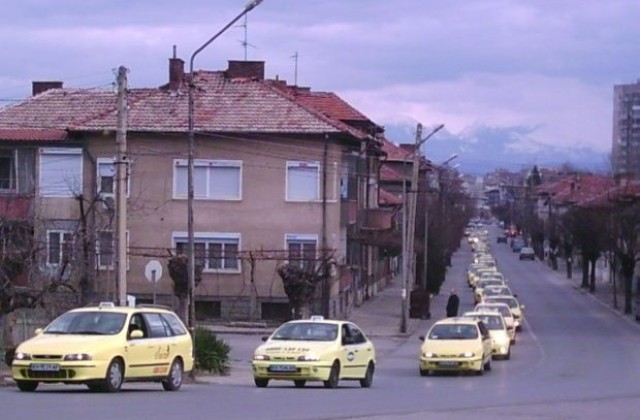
x=308 y=371
x=474 y=364
x=68 y=372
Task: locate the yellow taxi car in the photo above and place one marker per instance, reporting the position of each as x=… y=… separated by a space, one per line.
x=104 y=346
x=500 y=339
x=506 y=313
x=516 y=308
x=478 y=291
x=456 y=344
x=315 y=349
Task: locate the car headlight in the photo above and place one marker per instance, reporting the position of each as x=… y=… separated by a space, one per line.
x=468 y=354
x=308 y=358
x=77 y=356
x=261 y=357
x=21 y=356
x=429 y=355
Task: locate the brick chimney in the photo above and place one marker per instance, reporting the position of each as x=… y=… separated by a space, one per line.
x=176 y=71
x=39 y=87
x=246 y=70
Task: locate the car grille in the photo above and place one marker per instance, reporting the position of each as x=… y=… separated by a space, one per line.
x=46 y=357
x=61 y=374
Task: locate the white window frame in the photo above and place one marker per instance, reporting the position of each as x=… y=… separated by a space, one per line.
x=67 y=174
x=110 y=161
x=12 y=155
x=208 y=238
x=301 y=239
x=204 y=166
x=297 y=164
x=111 y=266
x=61 y=246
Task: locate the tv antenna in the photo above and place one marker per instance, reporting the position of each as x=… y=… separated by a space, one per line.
x=245 y=41
x=295 y=66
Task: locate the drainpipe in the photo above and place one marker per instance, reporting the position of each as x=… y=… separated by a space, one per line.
x=326 y=289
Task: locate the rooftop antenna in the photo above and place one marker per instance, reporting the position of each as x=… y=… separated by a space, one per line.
x=295 y=76
x=245 y=42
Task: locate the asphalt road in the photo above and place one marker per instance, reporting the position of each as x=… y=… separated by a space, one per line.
x=574 y=359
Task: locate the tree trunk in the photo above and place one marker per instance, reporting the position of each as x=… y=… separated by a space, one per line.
x=627 y=265
x=592 y=276
x=585 y=273
x=183 y=309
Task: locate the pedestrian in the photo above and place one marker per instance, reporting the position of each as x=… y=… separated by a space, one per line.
x=452 y=304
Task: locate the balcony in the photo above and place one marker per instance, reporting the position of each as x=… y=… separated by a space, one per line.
x=376 y=219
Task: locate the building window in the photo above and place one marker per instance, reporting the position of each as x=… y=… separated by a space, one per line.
x=106 y=248
x=303 y=181
x=301 y=250
x=214 y=252
x=7 y=170
x=60 y=172
x=107 y=177
x=212 y=179
x=59 y=246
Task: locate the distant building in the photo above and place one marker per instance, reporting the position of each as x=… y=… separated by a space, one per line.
x=626 y=131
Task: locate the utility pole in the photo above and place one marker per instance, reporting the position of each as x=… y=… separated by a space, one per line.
x=121 y=166
x=409 y=232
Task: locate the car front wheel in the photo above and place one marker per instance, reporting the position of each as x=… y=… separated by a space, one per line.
x=334 y=377
x=260 y=382
x=27 y=386
x=115 y=376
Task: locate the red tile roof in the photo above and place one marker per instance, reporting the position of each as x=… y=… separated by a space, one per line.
x=32 y=134
x=579 y=188
x=629 y=192
x=389 y=174
x=221 y=105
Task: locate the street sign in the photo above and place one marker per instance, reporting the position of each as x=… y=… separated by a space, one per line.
x=153 y=271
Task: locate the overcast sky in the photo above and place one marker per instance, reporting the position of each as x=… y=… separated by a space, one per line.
x=548 y=66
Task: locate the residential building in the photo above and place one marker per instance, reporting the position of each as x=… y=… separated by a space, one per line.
x=281 y=175
x=626 y=131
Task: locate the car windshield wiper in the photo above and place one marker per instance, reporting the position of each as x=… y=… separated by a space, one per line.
x=55 y=332
x=88 y=332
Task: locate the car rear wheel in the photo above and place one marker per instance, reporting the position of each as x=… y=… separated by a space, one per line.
x=334 y=376
x=115 y=376
x=27 y=386
x=367 y=381
x=261 y=382
x=174 y=380
x=300 y=383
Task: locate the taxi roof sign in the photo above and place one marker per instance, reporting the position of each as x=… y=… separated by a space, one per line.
x=316 y=318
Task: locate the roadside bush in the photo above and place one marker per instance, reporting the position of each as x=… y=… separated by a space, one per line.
x=212 y=354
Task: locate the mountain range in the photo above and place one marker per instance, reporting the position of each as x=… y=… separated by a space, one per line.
x=483 y=149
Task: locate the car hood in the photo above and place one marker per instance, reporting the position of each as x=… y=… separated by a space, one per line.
x=63 y=344
x=450 y=347
x=285 y=348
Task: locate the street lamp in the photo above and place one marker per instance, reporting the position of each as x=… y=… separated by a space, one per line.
x=191 y=251
x=408 y=222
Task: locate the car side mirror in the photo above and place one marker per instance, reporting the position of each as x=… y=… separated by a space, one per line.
x=521 y=306
x=421 y=338
x=264 y=337
x=136 y=334
x=515 y=295
x=38 y=331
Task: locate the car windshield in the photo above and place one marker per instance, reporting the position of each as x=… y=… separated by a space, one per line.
x=509 y=301
x=93 y=323
x=306 y=331
x=492 y=322
x=453 y=332
x=504 y=311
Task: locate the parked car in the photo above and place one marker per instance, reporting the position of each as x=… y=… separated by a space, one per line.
x=527 y=253
x=502 y=239
x=104 y=346
x=517 y=244
x=315 y=350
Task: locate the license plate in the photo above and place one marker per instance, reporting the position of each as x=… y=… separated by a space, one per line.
x=282 y=368
x=447 y=363
x=44 y=367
